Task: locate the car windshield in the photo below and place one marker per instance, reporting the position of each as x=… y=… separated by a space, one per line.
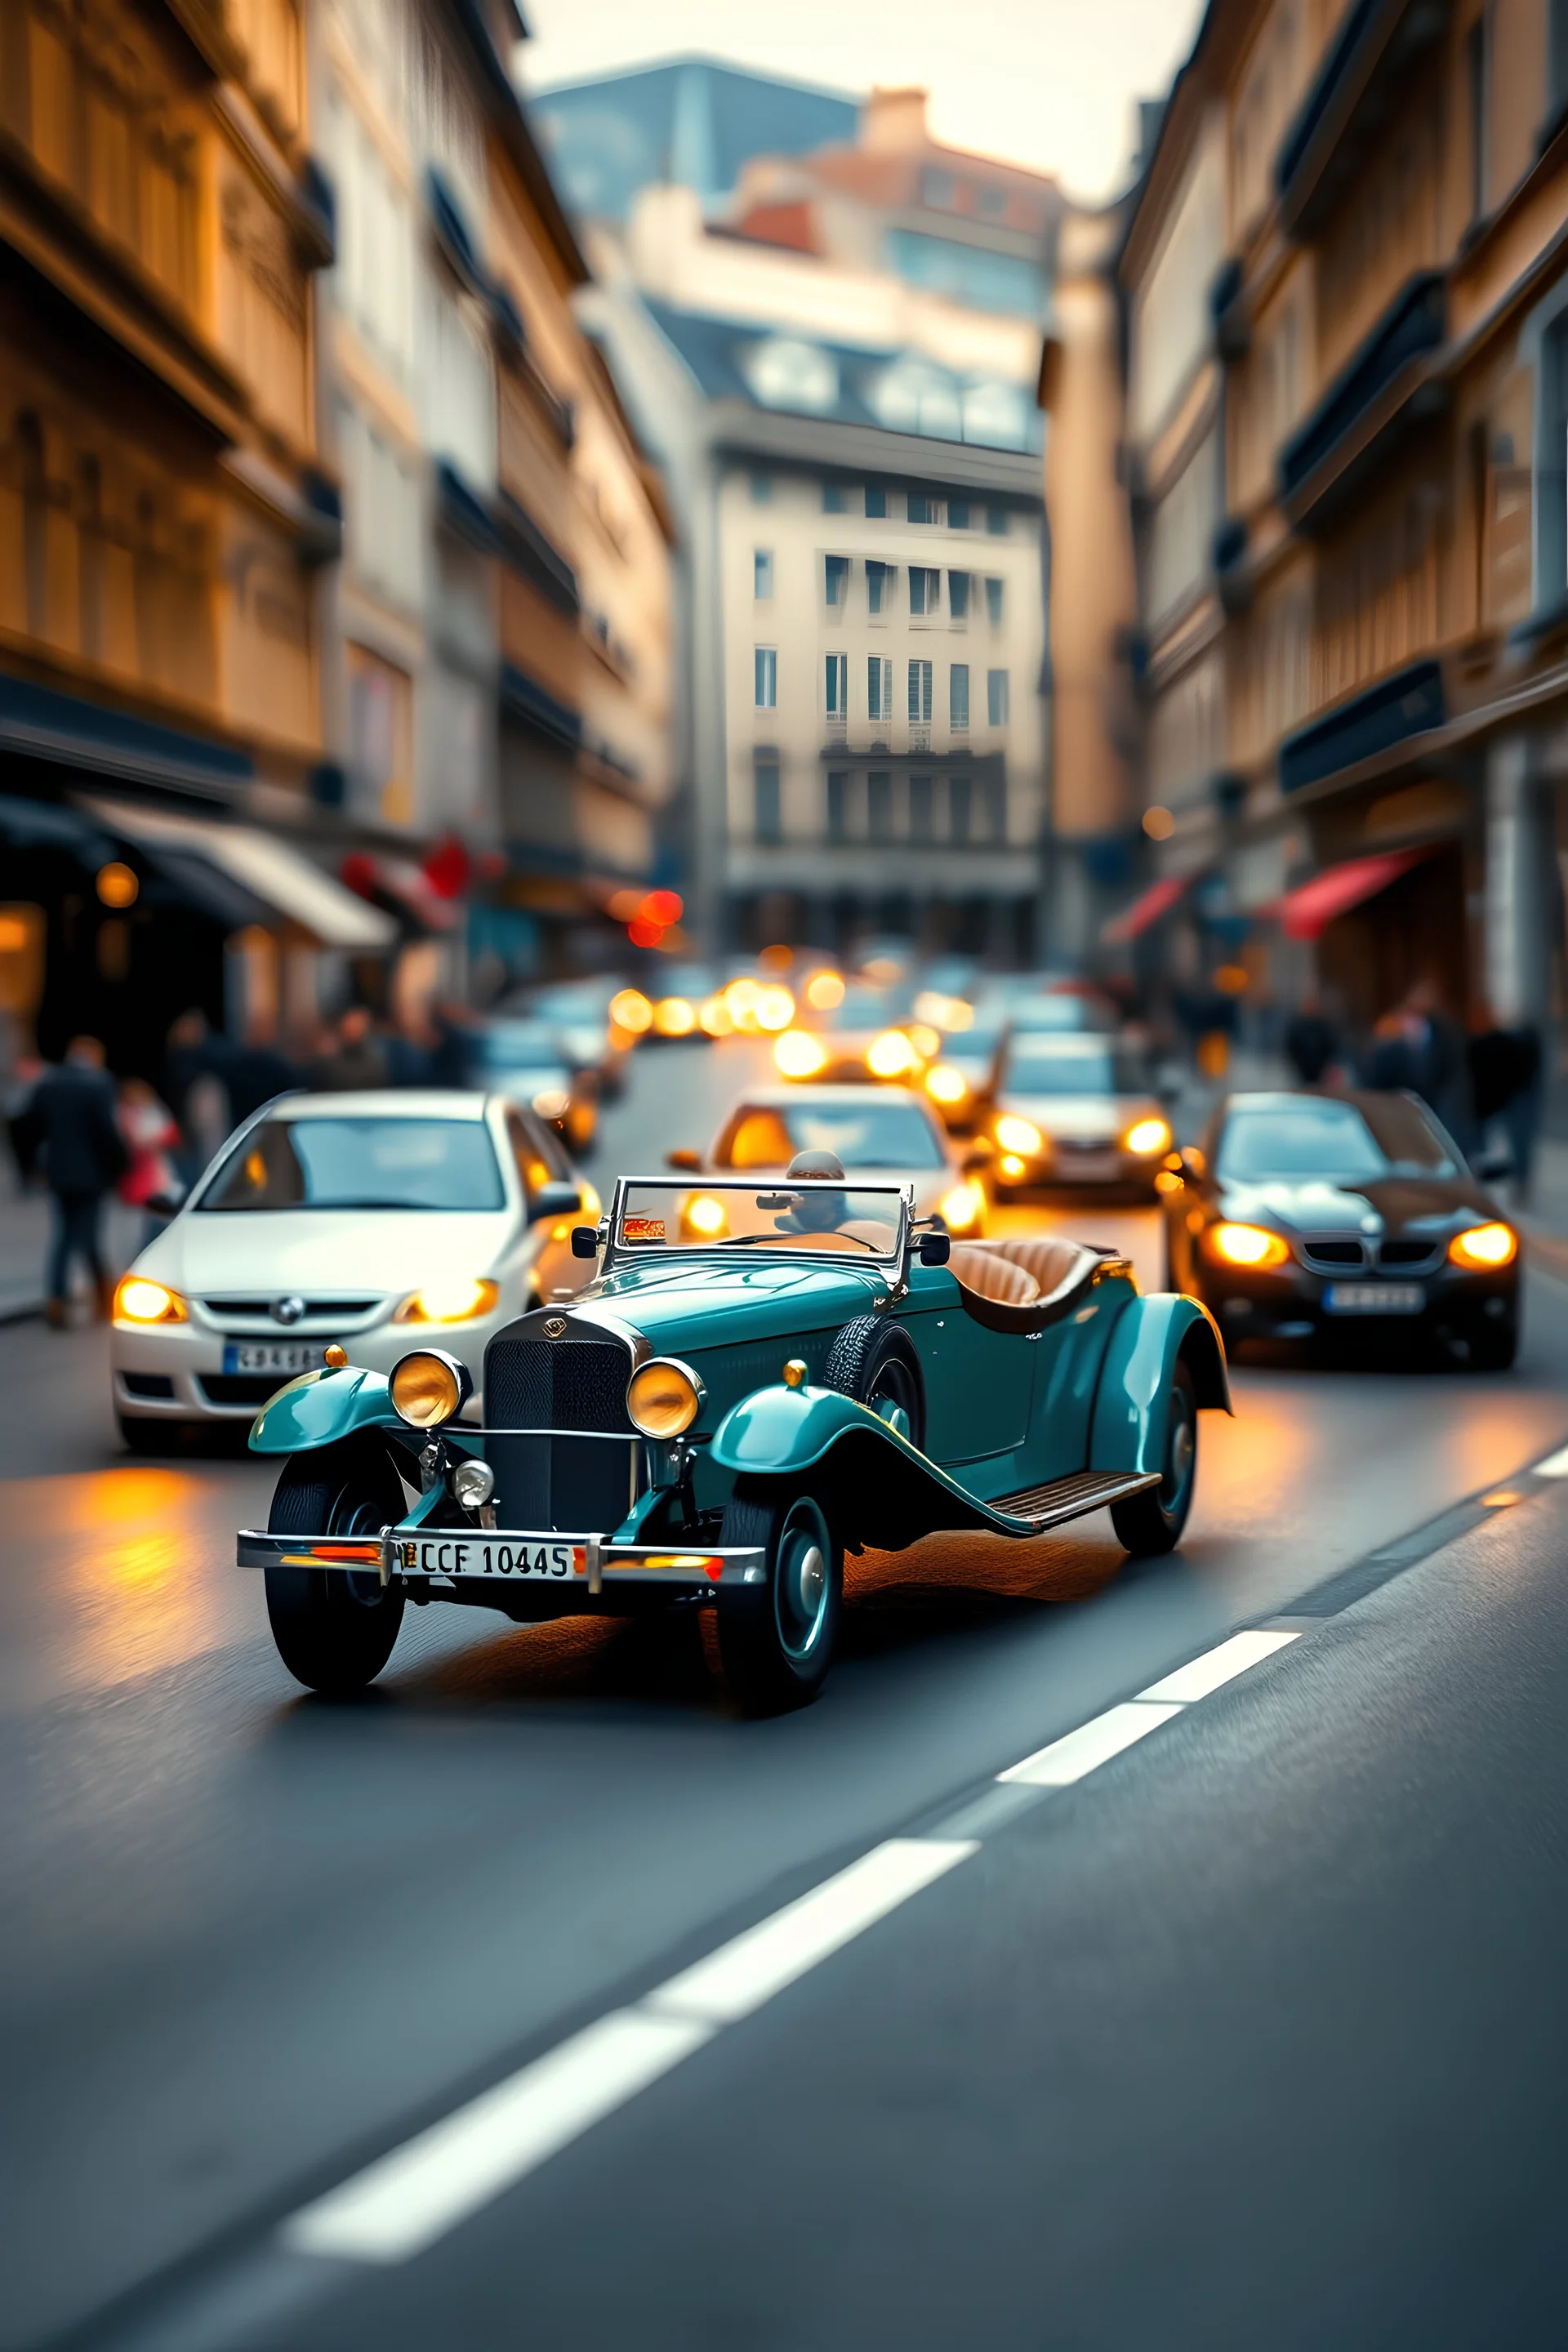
x=519 y=1045
x=838 y=1220
x=873 y=1133
x=1049 y=1065
x=360 y=1163
x=1337 y=1142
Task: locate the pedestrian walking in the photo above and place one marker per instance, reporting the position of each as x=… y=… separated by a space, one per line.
x=1311 y=1044
x=151 y=1134
x=355 y=1060
x=1505 y=1067
x=83 y=1156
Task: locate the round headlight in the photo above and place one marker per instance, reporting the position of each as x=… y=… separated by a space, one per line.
x=427 y=1389
x=664 y=1398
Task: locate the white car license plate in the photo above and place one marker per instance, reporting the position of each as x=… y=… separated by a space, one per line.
x=273 y=1355
x=544 y=1558
x=1374 y=1298
x=1087 y=1166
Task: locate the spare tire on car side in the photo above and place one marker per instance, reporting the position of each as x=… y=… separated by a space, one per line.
x=874 y=1362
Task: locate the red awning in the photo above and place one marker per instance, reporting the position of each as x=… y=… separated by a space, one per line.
x=1157 y=900
x=1303 y=914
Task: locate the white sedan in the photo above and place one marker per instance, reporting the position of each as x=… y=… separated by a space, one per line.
x=378 y=1220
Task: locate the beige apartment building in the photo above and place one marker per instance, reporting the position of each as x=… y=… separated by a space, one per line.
x=1348 y=405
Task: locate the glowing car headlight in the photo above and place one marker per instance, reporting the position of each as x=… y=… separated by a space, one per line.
x=946 y=1085
x=630 y=1011
x=1247 y=1246
x=890 y=1055
x=137 y=1300
x=674 y=1016
x=774 y=1009
x=1011 y=1165
x=1481 y=1249
x=716 y=1018
x=704 y=1216
x=664 y=1398
x=798 y=1054
x=1019 y=1135
x=1147 y=1138
x=448 y=1302
x=962 y=1208
x=824 y=990
x=427 y=1389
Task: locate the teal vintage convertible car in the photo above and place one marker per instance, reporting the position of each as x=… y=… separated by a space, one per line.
x=758 y=1378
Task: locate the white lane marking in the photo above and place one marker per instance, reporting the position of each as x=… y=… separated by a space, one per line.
x=1094 y=1744
x=741 y=1975
x=1554 y=1466
x=1200 y=1676
x=403 y=2202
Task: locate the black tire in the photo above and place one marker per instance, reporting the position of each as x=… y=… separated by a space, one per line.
x=334 y=1633
x=145 y=1435
x=777 y=1639
x=875 y=1363
x=1152 y=1521
x=1494 y=1346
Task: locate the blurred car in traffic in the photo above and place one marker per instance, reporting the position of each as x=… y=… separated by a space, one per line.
x=886 y=1132
x=962 y=1075
x=1072 y=1111
x=1064 y=1012
x=579 y=1010
x=677 y=994
x=531 y=1063
x=1304 y=1215
x=373 y=1220
x=846 y=1036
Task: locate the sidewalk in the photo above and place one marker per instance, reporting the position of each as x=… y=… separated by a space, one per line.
x=23 y=1246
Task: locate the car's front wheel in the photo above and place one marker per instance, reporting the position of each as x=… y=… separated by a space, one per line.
x=776 y=1638
x=334 y=1631
x=1154 y=1520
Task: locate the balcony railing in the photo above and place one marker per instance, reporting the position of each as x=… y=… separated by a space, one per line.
x=1414 y=324
x=1411 y=702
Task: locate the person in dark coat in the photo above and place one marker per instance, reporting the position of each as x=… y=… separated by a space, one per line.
x=1505 y=1087
x=84 y=1156
x=1312 y=1044
x=355 y=1062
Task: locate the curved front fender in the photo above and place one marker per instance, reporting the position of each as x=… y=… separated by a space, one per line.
x=319 y=1407
x=1129 y=1429
x=886 y=1491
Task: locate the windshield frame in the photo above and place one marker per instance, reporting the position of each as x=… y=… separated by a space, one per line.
x=895 y=1262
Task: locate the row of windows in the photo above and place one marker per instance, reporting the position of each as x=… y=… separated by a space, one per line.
x=963 y=811
x=964 y=588
x=880 y=699
x=877 y=503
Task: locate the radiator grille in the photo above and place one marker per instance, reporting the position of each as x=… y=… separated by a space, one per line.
x=556 y=1384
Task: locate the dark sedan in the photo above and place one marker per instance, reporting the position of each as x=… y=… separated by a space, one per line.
x=1307 y=1215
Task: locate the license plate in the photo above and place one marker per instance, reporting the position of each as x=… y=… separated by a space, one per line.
x=1089 y=1166
x=273 y=1355
x=1374 y=1298
x=545 y=1558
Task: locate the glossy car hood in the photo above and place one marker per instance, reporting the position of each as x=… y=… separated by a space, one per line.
x=700 y=1304
x=1081 y=1116
x=1319 y=1206
x=324 y=1250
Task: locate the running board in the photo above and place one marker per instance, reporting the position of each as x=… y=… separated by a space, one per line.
x=1070 y=1498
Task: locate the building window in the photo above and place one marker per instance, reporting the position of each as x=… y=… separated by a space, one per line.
x=924 y=510
x=958 y=595
x=837 y=805
x=761 y=490
x=919 y=808
x=993 y=202
x=960 y=795
x=958 y=514
x=879 y=690
x=766 y=674
x=875 y=503
x=838 y=686
x=925 y=590
x=996 y=696
x=920 y=693
x=993 y=603
x=879 y=578
x=879 y=807
x=958 y=696
x=838 y=579
x=1476 y=75
x=996 y=523
x=835 y=499
x=765 y=779
x=938 y=188
x=763 y=575
x=994 y=802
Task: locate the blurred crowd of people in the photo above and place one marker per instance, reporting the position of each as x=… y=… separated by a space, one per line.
x=83 y=1138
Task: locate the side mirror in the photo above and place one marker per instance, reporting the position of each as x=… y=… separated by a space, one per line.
x=1492 y=1166
x=691 y=1161
x=585 y=1240
x=935 y=1249
x=553 y=1200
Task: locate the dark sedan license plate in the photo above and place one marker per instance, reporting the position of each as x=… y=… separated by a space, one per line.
x=274 y=1356
x=544 y=1558
x=1374 y=1298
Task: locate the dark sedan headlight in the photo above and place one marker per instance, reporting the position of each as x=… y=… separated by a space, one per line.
x=1253 y=1246
x=1483 y=1249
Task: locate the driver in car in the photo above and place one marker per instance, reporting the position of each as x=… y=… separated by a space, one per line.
x=828 y=1213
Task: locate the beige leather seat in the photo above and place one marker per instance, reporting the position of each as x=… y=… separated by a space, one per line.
x=994 y=1291
x=1052 y=1260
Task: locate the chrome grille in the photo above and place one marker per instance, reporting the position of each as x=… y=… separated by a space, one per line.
x=1331 y=1254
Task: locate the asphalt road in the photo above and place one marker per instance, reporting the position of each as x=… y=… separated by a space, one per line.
x=1250 y=2038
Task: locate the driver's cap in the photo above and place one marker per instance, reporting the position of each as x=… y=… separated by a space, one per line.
x=817 y=1164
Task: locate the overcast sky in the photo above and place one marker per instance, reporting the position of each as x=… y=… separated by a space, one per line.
x=1045 y=82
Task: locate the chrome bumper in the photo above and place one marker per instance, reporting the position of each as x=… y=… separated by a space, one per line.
x=490 y=1560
